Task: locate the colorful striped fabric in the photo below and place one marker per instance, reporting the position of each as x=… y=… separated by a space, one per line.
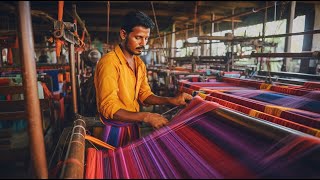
x=212 y=85
x=119 y=134
x=296 y=115
x=312 y=85
x=285 y=100
x=295 y=108
x=292 y=89
x=264 y=116
x=207 y=141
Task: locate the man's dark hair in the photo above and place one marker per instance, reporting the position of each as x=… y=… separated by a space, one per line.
x=136 y=18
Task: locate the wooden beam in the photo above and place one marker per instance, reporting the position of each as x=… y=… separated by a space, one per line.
x=144 y=2
x=202 y=18
x=229 y=4
x=84 y=11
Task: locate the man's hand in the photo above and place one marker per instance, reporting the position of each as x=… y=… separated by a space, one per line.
x=155 y=120
x=181 y=99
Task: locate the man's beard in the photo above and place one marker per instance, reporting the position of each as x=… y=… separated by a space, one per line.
x=130 y=51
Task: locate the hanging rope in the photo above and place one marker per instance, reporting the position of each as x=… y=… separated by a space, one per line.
x=195 y=18
x=282 y=10
x=159 y=37
x=81 y=23
x=108 y=21
x=275 y=11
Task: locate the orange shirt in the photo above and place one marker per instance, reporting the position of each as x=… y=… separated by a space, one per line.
x=117 y=87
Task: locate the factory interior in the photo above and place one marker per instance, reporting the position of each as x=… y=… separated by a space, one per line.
x=251 y=67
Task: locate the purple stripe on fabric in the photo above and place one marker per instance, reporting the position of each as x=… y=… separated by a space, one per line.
x=192 y=164
x=169 y=170
x=138 y=162
x=154 y=159
x=123 y=166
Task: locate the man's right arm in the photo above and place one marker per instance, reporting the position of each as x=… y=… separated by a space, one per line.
x=108 y=101
x=106 y=86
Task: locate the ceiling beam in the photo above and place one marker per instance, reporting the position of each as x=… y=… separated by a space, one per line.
x=203 y=18
x=83 y=11
x=230 y=4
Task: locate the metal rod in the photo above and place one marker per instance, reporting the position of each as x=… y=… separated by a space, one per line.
x=37 y=147
x=291 y=74
x=231 y=60
x=257 y=37
x=78 y=63
x=73 y=167
x=80 y=22
x=283 y=80
x=212 y=31
x=73 y=78
x=169 y=110
x=200 y=58
x=315 y=54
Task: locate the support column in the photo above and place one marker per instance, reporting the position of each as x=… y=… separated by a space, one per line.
x=316 y=39
x=73 y=78
x=173 y=44
x=35 y=129
x=289 y=38
x=212 y=31
x=307 y=65
x=202 y=45
x=164 y=48
x=173 y=40
x=230 y=64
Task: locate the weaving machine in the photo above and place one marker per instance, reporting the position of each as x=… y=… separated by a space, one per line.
x=205 y=140
x=236 y=137
x=279 y=106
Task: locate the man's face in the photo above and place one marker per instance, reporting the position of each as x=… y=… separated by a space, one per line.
x=136 y=40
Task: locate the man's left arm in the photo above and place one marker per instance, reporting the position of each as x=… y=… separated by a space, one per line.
x=178 y=100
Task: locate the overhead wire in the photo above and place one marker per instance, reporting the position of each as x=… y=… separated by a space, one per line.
x=108 y=21
x=158 y=32
x=195 y=18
